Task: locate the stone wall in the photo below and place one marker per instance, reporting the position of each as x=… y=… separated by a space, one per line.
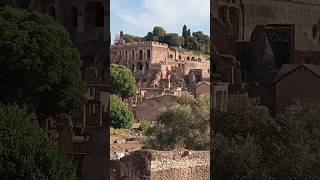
x=165 y=165
x=148 y=108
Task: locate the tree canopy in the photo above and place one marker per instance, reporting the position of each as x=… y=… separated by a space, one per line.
x=196 y=41
x=24 y=150
x=120 y=114
x=38 y=63
x=122 y=81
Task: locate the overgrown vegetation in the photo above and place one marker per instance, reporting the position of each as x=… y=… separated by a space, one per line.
x=250 y=144
x=24 y=150
x=183 y=125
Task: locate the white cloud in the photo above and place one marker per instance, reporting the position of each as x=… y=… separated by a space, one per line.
x=167 y=13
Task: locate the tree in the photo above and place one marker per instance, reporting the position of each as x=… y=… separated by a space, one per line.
x=122 y=81
x=149 y=36
x=24 y=150
x=128 y=38
x=188 y=33
x=185 y=124
x=184 y=31
x=158 y=33
x=39 y=65
x=120 y=115
x=173 y=39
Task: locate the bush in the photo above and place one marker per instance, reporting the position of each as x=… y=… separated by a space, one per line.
x=144 y=126
x=249 y=144
x=24 y=150
x=120 y=114
x=184 y=125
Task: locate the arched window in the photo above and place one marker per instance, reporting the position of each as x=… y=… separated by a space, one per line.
x=179 y=57
x=74 y=16
x=132 y=54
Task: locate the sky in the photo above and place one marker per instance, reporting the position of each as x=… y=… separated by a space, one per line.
x=138 y=17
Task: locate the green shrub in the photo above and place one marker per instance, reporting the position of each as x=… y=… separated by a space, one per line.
x=144 y=126
x=120 y=114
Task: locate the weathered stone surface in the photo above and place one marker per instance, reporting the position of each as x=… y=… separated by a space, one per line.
x=165 y=165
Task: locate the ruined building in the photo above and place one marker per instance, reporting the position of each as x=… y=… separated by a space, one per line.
x=154 y=63
x=253 y=39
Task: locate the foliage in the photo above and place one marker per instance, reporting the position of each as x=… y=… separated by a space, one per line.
x=24 y=150
x=144 y=126
x=117 y=132
x=183 y=125
x=249 y=144
x=158 y=33
x=128 y=38
x=197 y=42
x=39 y=65
x=120 y=114
x=122 y=81
x=173 y=39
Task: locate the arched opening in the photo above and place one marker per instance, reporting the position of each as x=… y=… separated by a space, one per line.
x=192 y=59
x=188 y=58
x=52 y=12
x=148 y=54
x=171 y=56
x=74 y=16
x=140 y=55
x=281 y=48
x=132 y=54
x=140 y=66
x=179 y=57
x=94 y=14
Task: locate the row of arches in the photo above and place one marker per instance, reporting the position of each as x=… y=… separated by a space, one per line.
x=133 y=55
x=93 y=14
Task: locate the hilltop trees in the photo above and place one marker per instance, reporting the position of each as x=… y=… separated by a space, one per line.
x=196 y=41
x=38 y=63
x=24 y=150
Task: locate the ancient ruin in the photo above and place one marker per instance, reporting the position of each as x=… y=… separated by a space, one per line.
x=254 y=39
x=157 y=65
